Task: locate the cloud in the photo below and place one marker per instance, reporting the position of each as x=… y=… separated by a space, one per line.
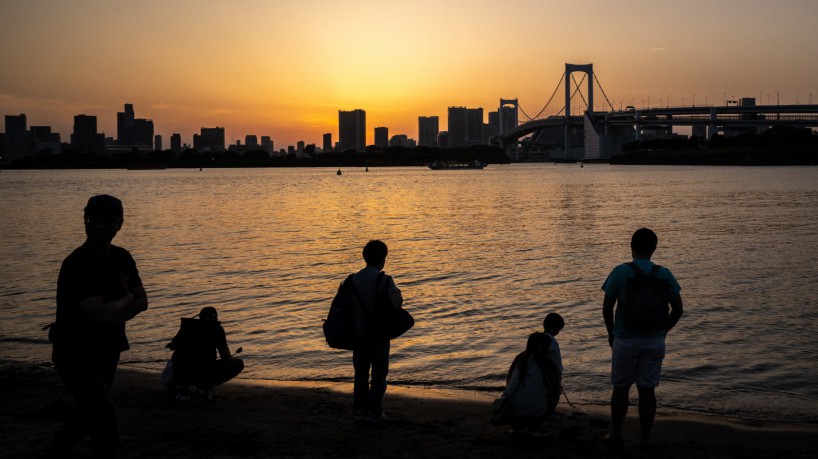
x=657 y=49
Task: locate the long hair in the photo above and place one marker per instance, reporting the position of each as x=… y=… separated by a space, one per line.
x=537 y=346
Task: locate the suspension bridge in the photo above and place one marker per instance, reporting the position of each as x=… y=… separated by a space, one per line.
x=597 y=134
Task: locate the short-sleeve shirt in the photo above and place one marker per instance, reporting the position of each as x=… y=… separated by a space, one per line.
x=614 y=286
x=85 y=274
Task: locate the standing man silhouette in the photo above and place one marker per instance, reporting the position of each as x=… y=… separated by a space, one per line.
x=637 y=351
x=373 y=290
x=98 y=290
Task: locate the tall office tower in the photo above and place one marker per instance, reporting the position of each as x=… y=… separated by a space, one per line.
x=14 y=142
x=474 y=126
x=458 y=127
x=157 y=142
x=352 y=130
x=299 y=146
x=267 y=144
x=209 y=139
x=494 y=124
x=428 y=129
x=381 y=137
x=85 y=139
x=176 y=143
x=327 y=142
x=124 y=126
x=142 y=132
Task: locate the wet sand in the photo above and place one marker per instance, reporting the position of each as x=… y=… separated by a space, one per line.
x=261 y=419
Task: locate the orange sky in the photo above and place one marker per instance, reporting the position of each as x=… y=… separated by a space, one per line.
x=285 y=68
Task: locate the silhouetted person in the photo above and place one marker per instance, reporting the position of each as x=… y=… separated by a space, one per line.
x=194 y=357
x=552 y=326
x=375 y=290
x=98 y=290
x=533 y=375
x=637 y=349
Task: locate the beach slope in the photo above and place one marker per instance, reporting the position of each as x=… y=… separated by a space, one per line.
x=310 y=420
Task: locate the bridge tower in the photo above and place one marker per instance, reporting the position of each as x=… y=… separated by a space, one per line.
x=569 y=69
x=501 y=115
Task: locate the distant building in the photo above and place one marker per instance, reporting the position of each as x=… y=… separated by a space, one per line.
x=474 y=126
x=327 y=142
x=352 y=130
x=402 y=140
x=157 y=142
x=210 y=139
x=14 y=141
x=251 y=140
x=132 y=131
x=41 y=140
x=267 y=144
x=299 y=146
x=443 y=139
x=428 y=129
x=176 y=143
x=85 y=138
x=124 y=125
x=457 y=127
x=381 y=137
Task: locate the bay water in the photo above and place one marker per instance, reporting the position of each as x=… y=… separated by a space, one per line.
x=481 y=257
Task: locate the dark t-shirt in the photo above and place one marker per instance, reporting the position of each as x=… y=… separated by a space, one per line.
x=85 y=274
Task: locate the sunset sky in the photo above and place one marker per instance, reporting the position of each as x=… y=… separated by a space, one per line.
x=284 y=68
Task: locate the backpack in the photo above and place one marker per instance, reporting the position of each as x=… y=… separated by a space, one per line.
x=339 y=326
x=645 y=307
x=385 y=323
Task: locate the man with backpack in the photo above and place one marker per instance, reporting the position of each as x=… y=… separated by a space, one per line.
x=642 y=292
x=373 y=291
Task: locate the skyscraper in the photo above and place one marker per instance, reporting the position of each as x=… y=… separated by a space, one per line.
x=209 y=139
x=14 y=141
x=85 y=139
x=124 y=126
x=474 y=126
x=328 y=142
x=458 y=127
x=176 y=143
x=352 y=130
x=157 y=142
x=381 y=137
x=428 y=129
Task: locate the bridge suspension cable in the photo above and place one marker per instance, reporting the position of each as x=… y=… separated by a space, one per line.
x=603 y=92
x=547 y=103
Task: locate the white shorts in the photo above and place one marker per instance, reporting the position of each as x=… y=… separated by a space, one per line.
x=637 y=360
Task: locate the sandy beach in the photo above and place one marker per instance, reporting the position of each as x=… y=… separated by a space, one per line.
x=263 y=419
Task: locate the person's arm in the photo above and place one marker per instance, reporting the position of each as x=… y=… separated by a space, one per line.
x=676 y=311
x=221 y=344
x=395 y=296
x=608 y=314
x=119 y=310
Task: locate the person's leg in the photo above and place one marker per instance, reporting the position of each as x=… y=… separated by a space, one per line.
x=380 y=368
x=90 y=386
x=619 y=408
x=361 y=363
x=647 y=410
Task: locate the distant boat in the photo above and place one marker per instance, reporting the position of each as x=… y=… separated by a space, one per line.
x=449 y=165
x=339 y=171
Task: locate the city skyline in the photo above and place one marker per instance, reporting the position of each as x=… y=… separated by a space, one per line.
x=285 y=69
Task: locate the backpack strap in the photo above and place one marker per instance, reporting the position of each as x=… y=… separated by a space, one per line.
x=655 y=270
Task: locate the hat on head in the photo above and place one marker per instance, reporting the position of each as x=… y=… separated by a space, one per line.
x=105 y=205
x=209 y=313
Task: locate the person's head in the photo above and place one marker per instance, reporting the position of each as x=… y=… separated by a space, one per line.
x=103 y=217
x=643 y=243
x=375 y=253
x=553 y=323
x=208 y=313
x=537 y=343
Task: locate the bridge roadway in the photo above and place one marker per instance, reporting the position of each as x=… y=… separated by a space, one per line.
x=717 y=117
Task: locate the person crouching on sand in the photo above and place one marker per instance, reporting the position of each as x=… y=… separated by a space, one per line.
x=532 y=375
